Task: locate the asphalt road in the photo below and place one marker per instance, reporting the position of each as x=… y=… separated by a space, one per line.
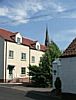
x=12 y=94
x=7 y=93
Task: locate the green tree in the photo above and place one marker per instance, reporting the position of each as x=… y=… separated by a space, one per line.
x=37 y=76
x=42 y=75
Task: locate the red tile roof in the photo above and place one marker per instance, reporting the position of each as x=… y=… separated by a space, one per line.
x=71 y=50
x=10 y=36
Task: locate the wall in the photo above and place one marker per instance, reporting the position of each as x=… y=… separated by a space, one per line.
x=37 y=54
x=1 y=58
x=56 y=74
x=68 y=74
x=17 y=62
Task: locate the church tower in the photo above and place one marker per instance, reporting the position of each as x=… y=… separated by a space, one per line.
x=46 y=38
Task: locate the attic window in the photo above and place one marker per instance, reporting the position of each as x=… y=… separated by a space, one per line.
x=37 y=47
x=18 y=40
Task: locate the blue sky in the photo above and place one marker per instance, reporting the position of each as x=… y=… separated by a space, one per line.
x=30 y=17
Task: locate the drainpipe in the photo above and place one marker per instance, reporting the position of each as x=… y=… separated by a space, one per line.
x=29 y=63
x=5 y=60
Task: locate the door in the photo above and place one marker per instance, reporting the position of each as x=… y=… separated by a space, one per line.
x=10 y=73
x=10 y=68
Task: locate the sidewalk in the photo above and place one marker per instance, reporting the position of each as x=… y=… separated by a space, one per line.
x=17 y=86
x=45 y=92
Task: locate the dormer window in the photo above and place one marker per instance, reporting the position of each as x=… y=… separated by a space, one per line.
x=18 y=40
x=37 y=46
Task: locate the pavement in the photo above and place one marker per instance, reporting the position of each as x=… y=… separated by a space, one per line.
x=30 y=92
x=45 y=92
x=18 y=86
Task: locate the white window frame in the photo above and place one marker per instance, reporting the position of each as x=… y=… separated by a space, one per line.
x=18 y=35
x=11 y=54
x=18 y=40
x=33 y=59
x=23 y=56
x=23 y=73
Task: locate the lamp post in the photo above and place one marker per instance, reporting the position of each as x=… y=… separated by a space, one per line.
x=56 y=64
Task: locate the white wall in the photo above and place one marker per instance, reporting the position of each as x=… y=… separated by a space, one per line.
x=56 y=68
x=16 y=61
x=37 y=54
x=68 y=74
x=37 y=44
x=5 y=46
x=54 y=75
x=18 y=35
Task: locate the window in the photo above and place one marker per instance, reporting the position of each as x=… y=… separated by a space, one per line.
x=23 y=56
x=33 y=59
x=11 y=54
x=23 y=70
x=40 y=58
x=18 y=40
x=37 y=47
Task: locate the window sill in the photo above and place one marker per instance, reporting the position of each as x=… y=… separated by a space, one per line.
x=23 y=59
x=32 y=62
x=10 y=58
x=23 y=75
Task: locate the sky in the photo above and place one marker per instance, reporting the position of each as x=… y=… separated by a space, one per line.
x=30 y=18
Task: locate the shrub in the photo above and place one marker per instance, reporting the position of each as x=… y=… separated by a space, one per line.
x=58 y=86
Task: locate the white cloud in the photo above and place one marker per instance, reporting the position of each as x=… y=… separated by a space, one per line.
x=3 y=11
x=35 y=6
x=60 y=9
x=65 y=35
x=35 y=10
x=68 y=12
x=57 y=7
x=21 y=12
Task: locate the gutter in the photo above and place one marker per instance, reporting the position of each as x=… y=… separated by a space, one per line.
x=29 y=63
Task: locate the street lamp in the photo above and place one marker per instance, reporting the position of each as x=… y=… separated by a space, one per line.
x=56 y=64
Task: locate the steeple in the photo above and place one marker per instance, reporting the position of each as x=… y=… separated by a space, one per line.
x=46 y=38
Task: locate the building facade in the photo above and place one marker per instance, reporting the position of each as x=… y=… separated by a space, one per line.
x=16 y=54
x=67 y=69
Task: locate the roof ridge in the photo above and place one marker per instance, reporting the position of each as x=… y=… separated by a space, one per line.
x=9 y=36
x=6 y=30
x=28 y=39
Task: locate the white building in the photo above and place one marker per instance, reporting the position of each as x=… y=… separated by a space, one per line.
x=67 y=70
x=16 y=54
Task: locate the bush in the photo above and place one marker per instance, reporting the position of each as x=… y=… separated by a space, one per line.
x=58 y=83
x=58 y=86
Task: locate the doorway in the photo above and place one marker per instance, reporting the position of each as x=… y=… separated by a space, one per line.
x=10 y=69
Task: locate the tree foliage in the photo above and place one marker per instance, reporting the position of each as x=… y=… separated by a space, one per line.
x=42 y=74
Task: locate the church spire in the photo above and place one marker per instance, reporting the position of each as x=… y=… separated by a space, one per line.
x=46 y=38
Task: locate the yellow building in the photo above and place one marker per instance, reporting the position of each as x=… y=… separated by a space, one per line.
x=16 y=54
